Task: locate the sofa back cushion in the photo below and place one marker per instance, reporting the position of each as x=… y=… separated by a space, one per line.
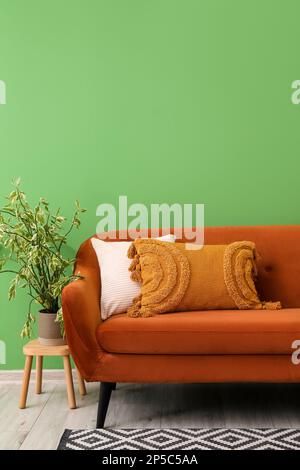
x=278 y=263
x=278 y=247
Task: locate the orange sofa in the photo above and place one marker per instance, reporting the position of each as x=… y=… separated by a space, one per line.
x=206 y=346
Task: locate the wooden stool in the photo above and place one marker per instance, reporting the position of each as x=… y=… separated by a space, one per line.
x=34 y=348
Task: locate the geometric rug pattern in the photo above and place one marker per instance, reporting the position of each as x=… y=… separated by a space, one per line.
x=181 y=439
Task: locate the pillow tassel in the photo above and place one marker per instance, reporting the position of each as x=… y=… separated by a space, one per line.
x=135 y=269
x=131 y=253
x=271 y=305
x=136 y=276
x=136 y=310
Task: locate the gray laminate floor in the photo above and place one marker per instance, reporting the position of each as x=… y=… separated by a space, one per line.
x=41 y=424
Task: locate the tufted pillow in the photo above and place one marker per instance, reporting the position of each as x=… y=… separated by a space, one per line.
x=174 y=278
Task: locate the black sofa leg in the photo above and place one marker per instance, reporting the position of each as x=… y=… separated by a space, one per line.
x=104 y=397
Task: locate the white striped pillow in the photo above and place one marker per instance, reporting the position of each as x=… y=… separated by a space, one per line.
x=117 y=289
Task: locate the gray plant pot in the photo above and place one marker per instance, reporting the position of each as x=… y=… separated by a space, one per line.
x=49 y=330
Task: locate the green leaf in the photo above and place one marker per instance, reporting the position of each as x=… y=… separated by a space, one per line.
x=44 y=202
x=17 y=182
x=2 y=263
x=12 y=290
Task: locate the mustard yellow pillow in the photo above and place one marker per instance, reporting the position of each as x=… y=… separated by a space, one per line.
x=174 y=278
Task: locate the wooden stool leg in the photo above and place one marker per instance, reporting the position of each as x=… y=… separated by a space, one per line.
x=81 y=384
x=69 y=382
x=26 y=379
x=39 y=372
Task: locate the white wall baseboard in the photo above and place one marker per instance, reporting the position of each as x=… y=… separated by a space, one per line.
x=10 y=376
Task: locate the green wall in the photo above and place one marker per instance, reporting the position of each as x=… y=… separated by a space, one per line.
x=159 y=100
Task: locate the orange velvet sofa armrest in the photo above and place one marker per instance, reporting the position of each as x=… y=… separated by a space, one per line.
x=81 y=313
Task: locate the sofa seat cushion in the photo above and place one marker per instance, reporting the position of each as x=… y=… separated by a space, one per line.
x=205 y=332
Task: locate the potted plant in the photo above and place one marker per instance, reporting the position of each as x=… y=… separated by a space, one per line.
x=34 y=241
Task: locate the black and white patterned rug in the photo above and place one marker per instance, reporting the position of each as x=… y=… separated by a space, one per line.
x=181 y=439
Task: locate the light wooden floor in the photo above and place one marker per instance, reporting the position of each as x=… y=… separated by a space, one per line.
x=229 y=405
